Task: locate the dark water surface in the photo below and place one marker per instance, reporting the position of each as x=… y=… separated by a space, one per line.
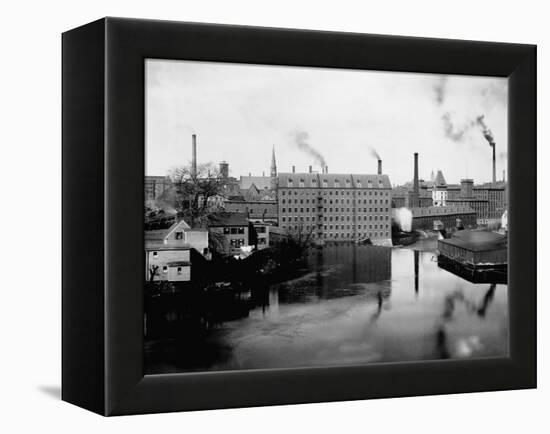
x=352 y=305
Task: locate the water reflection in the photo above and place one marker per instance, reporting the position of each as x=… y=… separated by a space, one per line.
x=350 y=304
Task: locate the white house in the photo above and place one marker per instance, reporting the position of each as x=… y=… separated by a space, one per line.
x=167 y=262
x=180 y=233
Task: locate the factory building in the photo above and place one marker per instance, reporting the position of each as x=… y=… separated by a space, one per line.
x=155 y=186
x=439 y=190
x=257 y=210
x=439 y=217
x=336 y=207
x=488 y=200
x=496 y=196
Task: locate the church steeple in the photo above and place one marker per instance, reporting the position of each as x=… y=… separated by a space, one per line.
x=273 y=173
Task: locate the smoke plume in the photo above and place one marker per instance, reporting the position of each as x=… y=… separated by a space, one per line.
x=440 y=87
x=486 y=131
x=301 y=141
x=403 y=217
x=454 y=131
x=374 y=153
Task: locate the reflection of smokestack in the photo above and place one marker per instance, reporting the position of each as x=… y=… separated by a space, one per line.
x=416 y=253
x=194 y=156
x=415 y=199
x=380 y=167
x=293 y=169
x=494 y=165
x=310 y=169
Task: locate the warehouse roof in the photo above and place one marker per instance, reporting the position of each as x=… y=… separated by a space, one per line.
x=477 y=241
x=227 y=219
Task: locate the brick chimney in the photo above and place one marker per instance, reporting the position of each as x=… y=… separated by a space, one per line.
x=194 y=155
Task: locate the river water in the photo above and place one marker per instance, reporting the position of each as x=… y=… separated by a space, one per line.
x=352 y=305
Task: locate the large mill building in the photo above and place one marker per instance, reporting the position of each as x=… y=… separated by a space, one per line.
x=336 y=207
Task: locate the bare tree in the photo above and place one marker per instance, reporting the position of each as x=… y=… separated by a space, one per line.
x=153 y=271
x=301 y=235
x=192 y=191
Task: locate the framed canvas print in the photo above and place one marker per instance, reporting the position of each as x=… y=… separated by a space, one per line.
x=258 y=216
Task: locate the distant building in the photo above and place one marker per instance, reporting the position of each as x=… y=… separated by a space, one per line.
x=262 y=234
x=496 y=196
x=277 y=235
x=444 y=216
x=262 y=183
x=489 y=200
x=260 y=211
x=155 y=186
x=403 y=195
x=336 y=207
x=466 y=198
x=439 y=190
x=235 y=229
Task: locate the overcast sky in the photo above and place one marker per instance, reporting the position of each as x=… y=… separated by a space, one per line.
x=240 y=111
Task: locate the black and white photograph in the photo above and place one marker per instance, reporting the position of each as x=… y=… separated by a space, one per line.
x=301 y=217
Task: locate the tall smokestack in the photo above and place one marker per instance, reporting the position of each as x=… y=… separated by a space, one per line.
x=194 y=156
x=224 y=169
x=494 y=165
x=310 y=169
x=326 y=169
x=380 y=167
x=504 y=176
x=415 y=200
x=293 y=169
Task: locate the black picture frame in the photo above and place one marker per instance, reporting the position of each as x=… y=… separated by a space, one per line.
x=103 y=169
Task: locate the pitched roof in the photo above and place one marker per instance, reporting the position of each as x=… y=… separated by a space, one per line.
x=227 y=219
x=261 y=182
x=440 y=179
x=162 y=234
x=333 y=180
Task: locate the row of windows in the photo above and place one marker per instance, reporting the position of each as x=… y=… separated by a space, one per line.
x=339 y=227
x=336 y=218
x=301 y=183
x=233 y=231
x=307 y=210
x=165 y=269
x=237 y=242
x=251 y=210
x=382 y=201
x=359 y=235
x=335 y=193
